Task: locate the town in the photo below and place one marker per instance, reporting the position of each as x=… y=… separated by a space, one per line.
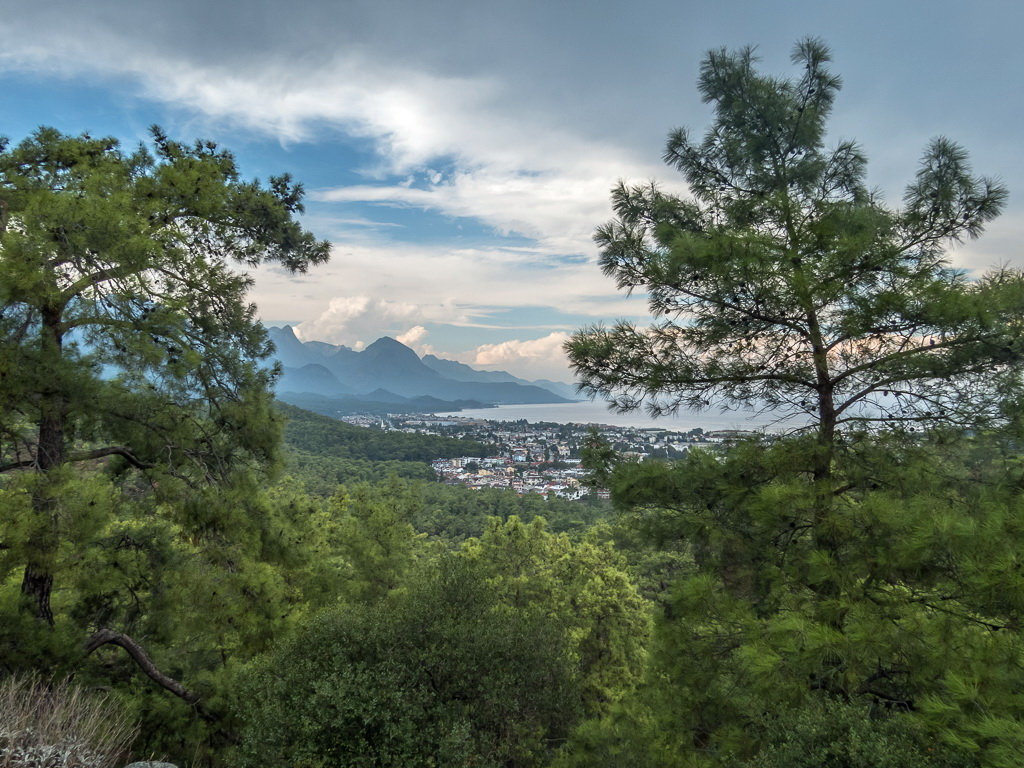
x=541 y=457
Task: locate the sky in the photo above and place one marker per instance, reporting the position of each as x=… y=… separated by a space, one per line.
x=459 y=155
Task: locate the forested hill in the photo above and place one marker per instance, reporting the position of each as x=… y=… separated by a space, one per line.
x=332 y=451
x=329 y=457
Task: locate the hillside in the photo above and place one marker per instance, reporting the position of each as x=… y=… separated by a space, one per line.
x=325 y=452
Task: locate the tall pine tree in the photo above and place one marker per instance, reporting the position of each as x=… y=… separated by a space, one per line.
x=872 y=556
x=127 y=345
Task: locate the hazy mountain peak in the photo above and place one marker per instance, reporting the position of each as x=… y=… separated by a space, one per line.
x=387 y=346
x=385 y=342
x=283 y=334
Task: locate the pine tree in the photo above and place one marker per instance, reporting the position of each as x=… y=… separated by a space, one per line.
x=127 y=345
x=871 y=556
x=787 y=284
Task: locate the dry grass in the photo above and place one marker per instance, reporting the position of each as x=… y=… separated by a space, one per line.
x=46 y=724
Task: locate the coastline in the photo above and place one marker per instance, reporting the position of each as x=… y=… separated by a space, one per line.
x=596 y=412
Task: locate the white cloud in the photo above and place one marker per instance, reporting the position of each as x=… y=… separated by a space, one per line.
x=523 y=175
x=496 y=354
x=461 y=284
x=472 y=146
x=413 y=336
x=353 y=320
x=523 y=149
x=520 y=171
x=558 y=207
x=531 y=358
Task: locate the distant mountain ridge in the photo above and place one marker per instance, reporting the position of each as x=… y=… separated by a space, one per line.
x=462 y=372
x=389 y=371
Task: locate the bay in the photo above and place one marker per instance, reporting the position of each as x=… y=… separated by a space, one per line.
x=596 y=412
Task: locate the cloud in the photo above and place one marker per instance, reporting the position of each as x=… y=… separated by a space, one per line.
x=359 y=320
x=356 y=321
x=462 y=285
x=511 y=115
x=485 y=149
x=520 y=175
x=534 y=358
x=412 y=336
x=556 y=203
x=497 y=354
x=396 y=107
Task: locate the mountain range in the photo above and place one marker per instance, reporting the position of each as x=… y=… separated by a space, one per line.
x=387 y=371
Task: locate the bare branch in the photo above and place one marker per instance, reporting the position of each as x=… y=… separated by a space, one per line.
x=140 y=657
x=98 y=453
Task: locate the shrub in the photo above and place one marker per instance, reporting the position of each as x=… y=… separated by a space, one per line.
x=834 y=733
x=439 y=674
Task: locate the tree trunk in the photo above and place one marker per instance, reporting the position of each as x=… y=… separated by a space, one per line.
x=37 y=583
x=821 y=472
x=36 y=586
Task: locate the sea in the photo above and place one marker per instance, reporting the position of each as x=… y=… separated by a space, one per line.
x=596 y=412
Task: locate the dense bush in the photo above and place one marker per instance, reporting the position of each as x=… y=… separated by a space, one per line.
x=829 y=732
x=440 y=674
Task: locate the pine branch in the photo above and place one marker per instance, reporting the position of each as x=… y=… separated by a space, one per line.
x=99 y=453
x=145 y=662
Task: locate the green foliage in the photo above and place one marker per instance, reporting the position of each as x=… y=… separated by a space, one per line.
x=137 y=433
x=124 y=328
x=312 y=433
x=584 y=585
x=376 y=544
x=786 y=283
x=325 y=453
x=843 y=735
x=321 y=475
x=598 y=456
x=629 y=735
x=118 y=263
x=487 y=655
x=879 y=567
x=443 y=673
x=203 y=588
x=454 y=513
x=912 y=602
